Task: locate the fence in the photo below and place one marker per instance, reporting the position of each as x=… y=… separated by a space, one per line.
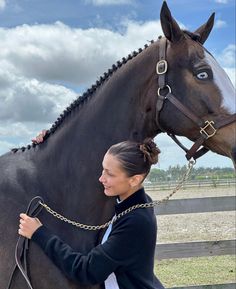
x=197 y=249
x=192 y=184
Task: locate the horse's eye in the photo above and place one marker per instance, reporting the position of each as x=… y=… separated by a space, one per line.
x=202 y=75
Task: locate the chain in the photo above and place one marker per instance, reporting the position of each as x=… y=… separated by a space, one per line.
x=115 y=218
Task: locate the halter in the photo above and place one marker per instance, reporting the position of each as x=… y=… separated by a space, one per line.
x=207 y=128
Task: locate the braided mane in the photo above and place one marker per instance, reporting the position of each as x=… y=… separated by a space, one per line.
x=85 y=96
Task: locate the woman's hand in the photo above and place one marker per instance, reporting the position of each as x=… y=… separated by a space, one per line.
x=28 y=225
x=39 y=138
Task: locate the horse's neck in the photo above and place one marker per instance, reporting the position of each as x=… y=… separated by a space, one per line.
x=67 y=165
x=109 y=116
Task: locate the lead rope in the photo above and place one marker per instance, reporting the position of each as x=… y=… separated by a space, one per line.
x=22 y=246
x=146 y=205
x=22 y=243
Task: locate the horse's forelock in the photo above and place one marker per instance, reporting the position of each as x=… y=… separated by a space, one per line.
x=192 y=35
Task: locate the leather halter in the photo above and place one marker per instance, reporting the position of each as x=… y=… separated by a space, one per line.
x=207 y=128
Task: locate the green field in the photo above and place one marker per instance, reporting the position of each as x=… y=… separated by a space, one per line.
x=196 y=271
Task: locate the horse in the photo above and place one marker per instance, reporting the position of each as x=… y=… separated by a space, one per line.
x=172 y=85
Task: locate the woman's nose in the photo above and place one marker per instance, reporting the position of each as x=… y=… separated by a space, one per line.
x=101 y=179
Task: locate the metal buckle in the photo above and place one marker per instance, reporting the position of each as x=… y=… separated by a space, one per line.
x=161 y=67
x=159 y=90
x=208 y=124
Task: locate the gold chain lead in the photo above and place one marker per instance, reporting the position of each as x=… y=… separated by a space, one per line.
x=146 y=205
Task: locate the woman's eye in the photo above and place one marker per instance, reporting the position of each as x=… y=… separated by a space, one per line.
x=104 y=172
x=202 y=75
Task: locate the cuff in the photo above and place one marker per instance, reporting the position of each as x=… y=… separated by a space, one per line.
x=41 y=236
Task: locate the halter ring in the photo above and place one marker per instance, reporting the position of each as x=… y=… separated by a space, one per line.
x=159 y=90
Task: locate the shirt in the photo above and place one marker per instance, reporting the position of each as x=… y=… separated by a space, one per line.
x=128 y=252
x=110 y=282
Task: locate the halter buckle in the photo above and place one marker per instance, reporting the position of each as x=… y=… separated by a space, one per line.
x=209 y=124
x=161 y=67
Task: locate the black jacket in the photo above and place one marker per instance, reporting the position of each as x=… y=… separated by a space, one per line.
x=128 y=251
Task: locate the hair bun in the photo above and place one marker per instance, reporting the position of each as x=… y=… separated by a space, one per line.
x=150 y=151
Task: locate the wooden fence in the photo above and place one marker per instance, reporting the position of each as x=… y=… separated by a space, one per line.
x=197 y=249
x=166 y=185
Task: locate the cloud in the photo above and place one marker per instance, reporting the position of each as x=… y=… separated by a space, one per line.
x=24 y=100
x=43 y=57
x=32 y=77
x=2 y=4
x=227 y=56
x=109 y=2
x=5 y=146
x=43 y=51
x=220 y=24
x=221 y=1
x=37 y=61
x=226 y=59
x=17 y=128
x=14 y=134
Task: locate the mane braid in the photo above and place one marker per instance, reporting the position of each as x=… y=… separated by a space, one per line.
x=84 y=97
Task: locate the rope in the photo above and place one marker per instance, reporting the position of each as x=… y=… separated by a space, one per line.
x=22 y=246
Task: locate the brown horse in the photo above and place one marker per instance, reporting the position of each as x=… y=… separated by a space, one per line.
x=193 y=92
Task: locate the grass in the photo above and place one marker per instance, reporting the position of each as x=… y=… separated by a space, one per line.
x=196 y=271
x=197 y=227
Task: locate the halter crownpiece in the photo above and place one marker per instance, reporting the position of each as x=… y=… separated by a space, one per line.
x=207 y=128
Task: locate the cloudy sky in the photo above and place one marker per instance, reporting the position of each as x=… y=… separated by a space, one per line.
x=51 y=51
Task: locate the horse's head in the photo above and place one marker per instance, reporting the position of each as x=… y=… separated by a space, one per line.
x=201 y=87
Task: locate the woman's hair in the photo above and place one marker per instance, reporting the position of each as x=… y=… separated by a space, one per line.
x=136 y=158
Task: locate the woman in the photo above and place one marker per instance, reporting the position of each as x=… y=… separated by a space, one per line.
x=125 y=258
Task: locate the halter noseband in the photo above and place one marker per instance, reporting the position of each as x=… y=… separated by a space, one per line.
x=207 y=128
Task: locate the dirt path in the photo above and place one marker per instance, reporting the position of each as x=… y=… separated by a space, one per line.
x=200 y=226
x=194 y=192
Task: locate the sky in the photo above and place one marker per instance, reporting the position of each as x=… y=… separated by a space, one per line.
x=52 y=51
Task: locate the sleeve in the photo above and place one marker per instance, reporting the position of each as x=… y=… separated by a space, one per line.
x=90 y=269
x=122 y=249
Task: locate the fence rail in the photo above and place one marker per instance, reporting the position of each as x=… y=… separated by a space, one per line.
x=195 y=249
x=190 y=184
x=217 y=286
x=196 y=205
x=201 y=248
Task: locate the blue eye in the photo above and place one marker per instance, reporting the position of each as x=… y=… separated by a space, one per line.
x=202 y=75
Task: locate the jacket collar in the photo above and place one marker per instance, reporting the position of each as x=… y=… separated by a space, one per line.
x=139 y=197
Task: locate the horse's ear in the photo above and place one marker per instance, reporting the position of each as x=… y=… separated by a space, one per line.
x=205 y=29
x=170 y=27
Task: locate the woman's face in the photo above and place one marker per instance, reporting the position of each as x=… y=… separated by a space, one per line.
x=115 y=180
